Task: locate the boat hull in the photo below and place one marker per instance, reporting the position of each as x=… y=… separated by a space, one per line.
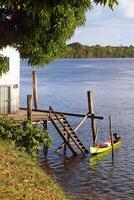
x=97 y=149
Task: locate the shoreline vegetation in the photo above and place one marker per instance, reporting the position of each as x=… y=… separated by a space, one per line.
x=77 y=50
x=20 y=174
x=22 y=178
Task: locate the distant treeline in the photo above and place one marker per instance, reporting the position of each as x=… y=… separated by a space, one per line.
x=77 y=50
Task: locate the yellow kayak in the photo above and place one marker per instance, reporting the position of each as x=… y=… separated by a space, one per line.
x=103 y=147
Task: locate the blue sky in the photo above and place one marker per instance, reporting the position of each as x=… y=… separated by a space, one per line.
x=106 y=27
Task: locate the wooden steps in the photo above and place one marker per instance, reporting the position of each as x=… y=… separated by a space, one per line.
x=67 y=133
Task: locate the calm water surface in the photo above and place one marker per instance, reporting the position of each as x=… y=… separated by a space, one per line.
x=63 y=85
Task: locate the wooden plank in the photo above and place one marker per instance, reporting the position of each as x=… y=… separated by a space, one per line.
x=68 y=114
x=29 y=107
x=64 y=138
x=36 y=115
x=35 y=96
x=81 y=122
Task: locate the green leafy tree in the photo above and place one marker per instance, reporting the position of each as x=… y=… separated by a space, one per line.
x=39 y=29
x=77 y=50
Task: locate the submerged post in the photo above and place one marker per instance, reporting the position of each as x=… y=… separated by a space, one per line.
x=29 y=107
x=111 y=135
x=45 y=126
x=35 y=96
x=91 y=111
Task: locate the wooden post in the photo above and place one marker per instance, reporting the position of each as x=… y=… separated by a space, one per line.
x=65 y=149
x=111 y=135
x=65 y=146
x=29 y=107
x=35 y=96
x=90 y=102
x=91 y=111
x=45 y=126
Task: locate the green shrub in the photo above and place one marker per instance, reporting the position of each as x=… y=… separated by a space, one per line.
x=27 y=136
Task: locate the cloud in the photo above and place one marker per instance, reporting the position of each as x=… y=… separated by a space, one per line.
x=106 y=27
x=124 y=11
x=106 y=35
x=129 y=9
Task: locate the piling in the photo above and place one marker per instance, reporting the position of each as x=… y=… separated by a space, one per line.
x=91 y=111
x=45 y=125
x=111 y=136
x=45 y=128
x=29 y=107
x=60 y=122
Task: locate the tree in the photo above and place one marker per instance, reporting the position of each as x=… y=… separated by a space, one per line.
x=39 y=29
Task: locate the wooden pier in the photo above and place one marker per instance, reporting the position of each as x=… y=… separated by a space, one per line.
x=61 y=124
x=36 y=116
x=59 y=120
x=40 y=115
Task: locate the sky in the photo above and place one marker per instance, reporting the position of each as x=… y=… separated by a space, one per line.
x=106 y=27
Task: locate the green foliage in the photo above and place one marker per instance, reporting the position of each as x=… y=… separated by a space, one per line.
x=110 y=3
x=77 y=50
x=28 y=137
x=39 y=29
x=4 y=65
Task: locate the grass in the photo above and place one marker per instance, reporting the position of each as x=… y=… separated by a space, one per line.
x=21 y=178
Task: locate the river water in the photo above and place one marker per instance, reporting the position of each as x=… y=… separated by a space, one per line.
x=64 y=85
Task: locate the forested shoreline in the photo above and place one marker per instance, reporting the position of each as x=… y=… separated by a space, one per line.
x=77 y=50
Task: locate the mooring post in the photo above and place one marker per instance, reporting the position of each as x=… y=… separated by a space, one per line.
x=35 y=96
x=91 y=111
x=111 y=136
x=29 y=107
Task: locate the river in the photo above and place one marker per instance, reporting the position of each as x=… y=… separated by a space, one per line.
x=64 y=85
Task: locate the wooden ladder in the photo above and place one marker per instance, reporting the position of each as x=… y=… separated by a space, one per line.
x=67 y=133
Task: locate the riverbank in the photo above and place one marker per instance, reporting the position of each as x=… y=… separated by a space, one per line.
x=21 y=178
x=77 y=50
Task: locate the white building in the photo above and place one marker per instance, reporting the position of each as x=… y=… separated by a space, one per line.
x=9 y=83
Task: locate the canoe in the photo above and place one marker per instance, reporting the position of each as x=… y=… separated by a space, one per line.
x=100 y=148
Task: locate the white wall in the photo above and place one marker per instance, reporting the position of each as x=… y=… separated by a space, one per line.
x=12 y=77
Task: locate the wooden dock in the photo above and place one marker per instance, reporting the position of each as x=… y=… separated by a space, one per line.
x=21 y=115
x=43 y=115
x=60 y=122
